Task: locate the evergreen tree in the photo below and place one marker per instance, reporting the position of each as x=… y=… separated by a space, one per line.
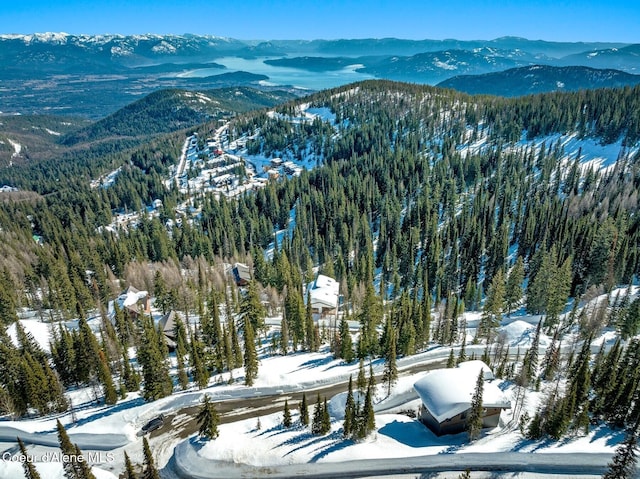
x=129 y=375
x=539 y=283
x=284 y=337
x=371 y=381
x=30 y=470
x=295 y=315
x=349 y=412
x=229 y=358
x=425 y=314
x=68 y=451
x=251 y=308
x=530 y=362
x=109 y=389
x=157 y=382
x=623 y=462
x=198 y=367
x=368 y=421
x=129 y=472
x=552 y=357
x=493 y=306
x=235 y=345
x=558 y=293
x=180 y=333
x=462 y=354
x=390 y=375
x=286 y=415
x=83 y=470
x=211 y=328
x=122 y=325
x=250 y=355
x=361 y=381
x=474 y=423
x=326 y=419
x=346 y=344
x=304 y=411
x=316 y=422
x=162 y=299
x=370 y=318
x=451 y=360
x=208 y=419
x=513 y=288
x=312 y=342
x=150 y=471
x=74 y=463
x=8 y=300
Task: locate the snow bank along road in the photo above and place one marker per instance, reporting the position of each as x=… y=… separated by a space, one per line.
x=187 y=464
x=95 y=442
x=181 y=423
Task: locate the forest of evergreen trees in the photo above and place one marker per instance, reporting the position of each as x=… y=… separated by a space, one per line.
x=408 y=223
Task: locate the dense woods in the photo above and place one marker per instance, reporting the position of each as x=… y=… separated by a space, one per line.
x=416 y=227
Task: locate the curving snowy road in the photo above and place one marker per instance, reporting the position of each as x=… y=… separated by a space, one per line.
x=187 y=464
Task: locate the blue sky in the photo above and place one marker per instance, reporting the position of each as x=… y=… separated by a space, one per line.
x=561 y=20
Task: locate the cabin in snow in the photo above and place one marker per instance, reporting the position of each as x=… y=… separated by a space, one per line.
x=133 y=302
x=446 y=398
x=324 y=294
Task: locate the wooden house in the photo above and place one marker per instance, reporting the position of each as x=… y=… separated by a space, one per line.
x=446 y=398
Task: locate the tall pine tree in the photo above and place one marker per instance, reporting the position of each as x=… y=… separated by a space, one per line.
x=208 y=419
x=474 y=423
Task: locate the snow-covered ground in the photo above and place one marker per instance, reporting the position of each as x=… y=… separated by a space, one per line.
x=397 y=436
x=114 y=429
x=592 y=153
x=17 y=147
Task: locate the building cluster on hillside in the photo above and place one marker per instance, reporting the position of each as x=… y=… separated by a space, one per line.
x=208 y=168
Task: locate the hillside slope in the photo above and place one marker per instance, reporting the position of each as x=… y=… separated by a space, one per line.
x=539 y=79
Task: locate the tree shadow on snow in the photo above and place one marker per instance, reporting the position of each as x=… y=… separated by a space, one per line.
x=536 y=445
x=613 y=437
x=102 y=412
x=280 y=429
x=338 y=443
x=314 y=363
x=303 y=440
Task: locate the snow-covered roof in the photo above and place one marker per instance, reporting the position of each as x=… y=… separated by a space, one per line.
x=475 y=367
x=128 y=298
x=131 y=297
x=448 y=392
x=324 y=292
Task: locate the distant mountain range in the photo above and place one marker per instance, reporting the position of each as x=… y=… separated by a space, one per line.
x=539 y=79
x=94 y=76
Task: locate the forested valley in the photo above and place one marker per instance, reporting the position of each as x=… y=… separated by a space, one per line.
x=416 y=223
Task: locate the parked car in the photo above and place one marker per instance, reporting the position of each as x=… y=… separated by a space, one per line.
x=155 y=423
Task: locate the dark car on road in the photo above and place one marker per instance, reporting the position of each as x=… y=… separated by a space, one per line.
x=155 y=423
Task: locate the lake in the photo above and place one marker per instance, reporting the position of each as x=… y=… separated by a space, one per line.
x=283 y=75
